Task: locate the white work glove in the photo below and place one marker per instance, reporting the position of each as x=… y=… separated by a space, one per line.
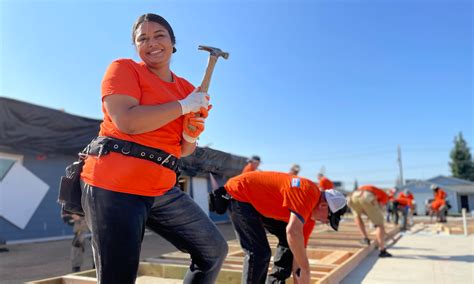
x=194 y=102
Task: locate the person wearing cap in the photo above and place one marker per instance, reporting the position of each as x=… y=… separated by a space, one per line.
x=368 y=200
x=295 y=170
x=252 y=164
x=324 y=182
x=438 y=206
x=287 y=206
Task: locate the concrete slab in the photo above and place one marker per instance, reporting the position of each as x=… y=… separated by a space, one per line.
x=420 y=258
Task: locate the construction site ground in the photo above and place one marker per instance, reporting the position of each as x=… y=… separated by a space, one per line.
x=425 y=256
x=428 y=253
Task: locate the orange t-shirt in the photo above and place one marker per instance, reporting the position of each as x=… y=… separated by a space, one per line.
x=275 y=195
x=325 y=183
x=405 y=199
x=381 y=196
x=391 y=196
x=248 y=168
x=132 y=175
x=440 y=194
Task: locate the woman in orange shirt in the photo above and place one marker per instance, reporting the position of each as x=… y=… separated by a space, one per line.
x=129 y=175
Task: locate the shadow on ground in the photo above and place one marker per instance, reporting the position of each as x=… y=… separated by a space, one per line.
x=460 y=258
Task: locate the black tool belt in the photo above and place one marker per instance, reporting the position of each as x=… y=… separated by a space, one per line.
x=104 y=145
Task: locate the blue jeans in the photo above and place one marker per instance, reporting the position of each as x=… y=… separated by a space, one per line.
x=177 y=218
x=117 y=222
x=250 y=227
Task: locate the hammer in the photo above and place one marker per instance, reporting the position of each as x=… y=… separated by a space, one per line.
x=214 y=54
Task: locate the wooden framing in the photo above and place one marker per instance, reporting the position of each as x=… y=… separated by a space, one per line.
x=332 y=256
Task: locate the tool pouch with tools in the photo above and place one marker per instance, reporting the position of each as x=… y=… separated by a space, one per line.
x=219 y=200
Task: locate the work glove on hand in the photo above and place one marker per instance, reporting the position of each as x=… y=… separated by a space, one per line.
x=192 y=127
x=194 y=102
x=203 y=112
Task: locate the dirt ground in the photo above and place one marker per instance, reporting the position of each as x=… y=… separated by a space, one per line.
x=34 y=261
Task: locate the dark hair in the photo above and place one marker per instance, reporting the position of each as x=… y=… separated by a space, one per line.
x=157 y=19
x=254 y=158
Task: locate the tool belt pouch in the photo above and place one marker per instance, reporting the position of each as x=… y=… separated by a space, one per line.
x=218 y=200
x=70 y=191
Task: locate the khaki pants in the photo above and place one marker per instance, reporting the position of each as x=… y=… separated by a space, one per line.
x=364 y=202
x=79 y=242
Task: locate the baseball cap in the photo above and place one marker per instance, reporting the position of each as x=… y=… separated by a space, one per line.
x=337 y=207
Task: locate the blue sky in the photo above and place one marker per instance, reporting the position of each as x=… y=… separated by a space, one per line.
x=326 y=84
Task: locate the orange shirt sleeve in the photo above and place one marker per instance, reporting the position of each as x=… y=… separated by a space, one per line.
x=121 y=79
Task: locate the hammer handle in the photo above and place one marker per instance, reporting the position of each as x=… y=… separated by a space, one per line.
x=206 y=81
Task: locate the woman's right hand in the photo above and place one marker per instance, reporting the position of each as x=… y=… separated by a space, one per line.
x=194 y=102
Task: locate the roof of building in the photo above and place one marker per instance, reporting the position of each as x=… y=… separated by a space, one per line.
x=32 y=129
x=449 y=181
x=457 y=185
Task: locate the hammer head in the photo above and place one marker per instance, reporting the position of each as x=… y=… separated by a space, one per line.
x=214 y=51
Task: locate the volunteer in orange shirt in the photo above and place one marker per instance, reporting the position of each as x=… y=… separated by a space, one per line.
x=368 y=200
x=324 y=182
x=405 y=198
x=252 y=164
x=403 y=203
x=438 y=206
x=286 y=206
x=129 y=175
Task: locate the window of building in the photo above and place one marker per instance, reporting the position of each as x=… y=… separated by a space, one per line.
x=6 y=163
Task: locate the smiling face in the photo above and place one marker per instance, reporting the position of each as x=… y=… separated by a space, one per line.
x=154 y=45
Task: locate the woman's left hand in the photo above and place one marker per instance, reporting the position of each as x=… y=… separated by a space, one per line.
x=193 y=126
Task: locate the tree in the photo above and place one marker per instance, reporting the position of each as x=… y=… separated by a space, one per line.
x=462 y=165
x=356 y=185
